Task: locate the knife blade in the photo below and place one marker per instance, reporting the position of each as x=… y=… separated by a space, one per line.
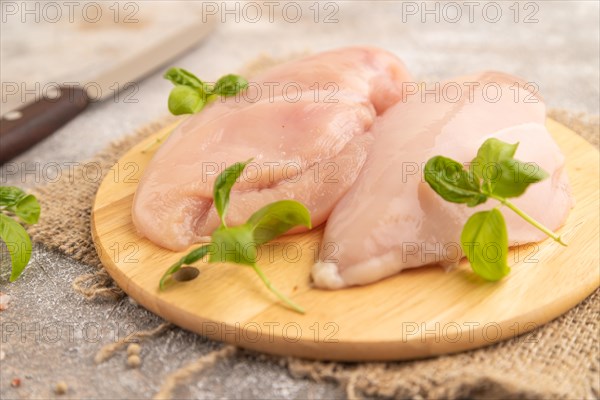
x=22 y=128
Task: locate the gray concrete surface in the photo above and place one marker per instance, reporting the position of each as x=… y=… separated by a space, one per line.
x=49 y=332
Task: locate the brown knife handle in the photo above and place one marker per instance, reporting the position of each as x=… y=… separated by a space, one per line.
x=21 y=129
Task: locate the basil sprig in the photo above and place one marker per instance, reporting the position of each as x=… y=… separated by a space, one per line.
x=493 y=173
x=15 y=202
x=238 y=244
x=190 y=94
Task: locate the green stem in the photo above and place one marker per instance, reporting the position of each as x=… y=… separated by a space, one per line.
x=174 y=268
x=529 y=219
x=190 y=258
x=283 y=297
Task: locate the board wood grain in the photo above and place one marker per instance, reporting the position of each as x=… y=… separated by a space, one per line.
x=417 y=313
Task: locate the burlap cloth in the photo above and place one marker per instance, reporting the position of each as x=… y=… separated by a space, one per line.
x=558 y=360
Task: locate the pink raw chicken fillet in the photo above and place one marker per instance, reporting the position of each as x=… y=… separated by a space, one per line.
x=310 y=151
x=391 y=220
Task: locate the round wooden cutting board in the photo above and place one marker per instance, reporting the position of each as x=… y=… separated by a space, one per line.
x=417 y=313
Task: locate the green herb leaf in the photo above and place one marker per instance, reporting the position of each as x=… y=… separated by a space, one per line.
x=484 y=240
x=180 y=76
x=185 y=100
x=234 y=245
x=452 y=182
x=190 y=258
x=514 y=178
x=223 y=185
x=275 y=219
x=28 y=209
x=492 y=151
x=18 y=244
x=190 y=94
x=230 y=85
x=10 y=195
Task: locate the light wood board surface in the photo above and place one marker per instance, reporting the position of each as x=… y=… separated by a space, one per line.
x=417 y=313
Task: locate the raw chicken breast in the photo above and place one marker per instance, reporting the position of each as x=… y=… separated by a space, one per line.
x=309 y=149
x=391 y=220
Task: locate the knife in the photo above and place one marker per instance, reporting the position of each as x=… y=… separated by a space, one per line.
x=26 y=126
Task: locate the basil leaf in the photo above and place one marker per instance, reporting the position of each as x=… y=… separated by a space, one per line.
x=494 y=150
x=234 y=245
x=27 y=209
x=185 y=100
x=10 y=195
x=180 y=76
x=452 y=182
x=484 y=240
x=223 y=185
x=489 y=154
x=275 y=219
x=18 y=244
x=190 y=94
x=515 y=177
x=230 y=85
x=190 y=258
